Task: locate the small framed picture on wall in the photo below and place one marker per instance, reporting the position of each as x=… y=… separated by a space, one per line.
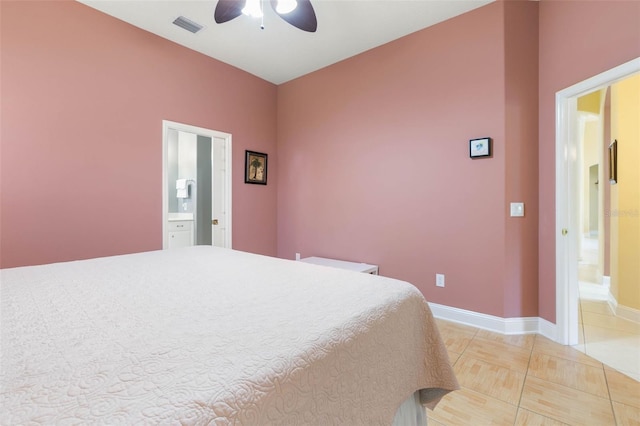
x=255 y=168
x=480 y=147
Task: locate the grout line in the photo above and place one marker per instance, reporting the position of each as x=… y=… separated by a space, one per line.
x=606 y=380
x=604 y=360
x=526 y=374
x=584 y=335
x=467 y=345
x=532 y=348
x=545 y=416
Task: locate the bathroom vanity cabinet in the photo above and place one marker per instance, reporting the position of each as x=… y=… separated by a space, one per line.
x=180 y=233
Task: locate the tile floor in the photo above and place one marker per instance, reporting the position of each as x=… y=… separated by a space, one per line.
x=610 y=339
x=530 y=380
x=604 y=336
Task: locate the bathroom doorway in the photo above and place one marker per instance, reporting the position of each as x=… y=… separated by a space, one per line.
x=567 y=197
x=196 y=186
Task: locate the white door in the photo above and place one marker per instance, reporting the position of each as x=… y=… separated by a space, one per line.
x=219 y=177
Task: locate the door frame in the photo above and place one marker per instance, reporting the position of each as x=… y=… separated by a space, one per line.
x=567 y=208
x=166 y=125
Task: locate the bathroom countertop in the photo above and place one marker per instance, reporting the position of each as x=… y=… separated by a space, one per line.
x=180 y=216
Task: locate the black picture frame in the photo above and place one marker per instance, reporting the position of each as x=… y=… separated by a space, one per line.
x=255 y=167
x=480 y=148
x=613 y=162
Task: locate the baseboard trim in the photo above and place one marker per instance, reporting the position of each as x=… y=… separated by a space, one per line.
x=522 y=325
x=630 y=314
x=548 y=329
x=593 y=291
x=613 y=303
x=606 y=281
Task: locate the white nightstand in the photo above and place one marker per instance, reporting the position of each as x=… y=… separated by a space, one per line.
x=342 y=264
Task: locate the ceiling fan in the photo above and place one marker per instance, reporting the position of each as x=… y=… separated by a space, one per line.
x=298 y=13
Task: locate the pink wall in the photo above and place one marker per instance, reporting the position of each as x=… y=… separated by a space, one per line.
x=83 y=99
x=374 y=161
x=578 y=40
x=521 y=144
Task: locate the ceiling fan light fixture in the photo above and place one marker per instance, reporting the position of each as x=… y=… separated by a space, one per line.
x=303 y=18
x=286 y=6
x=252 y=8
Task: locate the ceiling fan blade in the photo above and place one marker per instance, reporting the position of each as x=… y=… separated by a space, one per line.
x=303 y=16
x=226 y=10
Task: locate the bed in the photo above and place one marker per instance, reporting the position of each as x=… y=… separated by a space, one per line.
x=205 y=335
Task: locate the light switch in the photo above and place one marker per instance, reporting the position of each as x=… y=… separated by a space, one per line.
x=517 y=209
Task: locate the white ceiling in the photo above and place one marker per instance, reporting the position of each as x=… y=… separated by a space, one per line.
x=281 y=52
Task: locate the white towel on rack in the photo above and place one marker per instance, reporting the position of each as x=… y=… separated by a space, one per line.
x=182 y=188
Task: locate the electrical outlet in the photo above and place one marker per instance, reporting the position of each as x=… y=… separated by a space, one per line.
x=439 y=280
x=297 y=256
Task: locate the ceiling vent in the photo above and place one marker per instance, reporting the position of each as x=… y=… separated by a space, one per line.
x=187 y=24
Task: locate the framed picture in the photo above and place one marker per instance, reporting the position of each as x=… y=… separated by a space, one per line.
x=255 y=168
x=480 y=147
x=613 y=162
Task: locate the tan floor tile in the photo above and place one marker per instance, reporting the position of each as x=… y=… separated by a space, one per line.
x=563 y=386
x=608 y=338
x=453 y=357
x=520 y=340
x=454 y=326
x=595 y=306
x=489 y=379
x=611 y=322
x=587 y=272
x=465 y=407
x=565 y=404
x=569 y=373
x=529 y=418
x=631 y=374
x=433 y=422
x=623 y=389
x=626 y=415
x=580 y=346
x=595 y=334
x=499 y=354
x=620 y=354
x=549 y=347
x=455 y=339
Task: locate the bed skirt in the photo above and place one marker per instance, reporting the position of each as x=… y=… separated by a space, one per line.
x=411 y=412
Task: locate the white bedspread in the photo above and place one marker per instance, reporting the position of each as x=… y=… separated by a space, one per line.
x=204 y=335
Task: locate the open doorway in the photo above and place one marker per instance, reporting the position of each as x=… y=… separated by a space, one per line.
x=585 y=201
x=593 y=190
x=196 y=186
